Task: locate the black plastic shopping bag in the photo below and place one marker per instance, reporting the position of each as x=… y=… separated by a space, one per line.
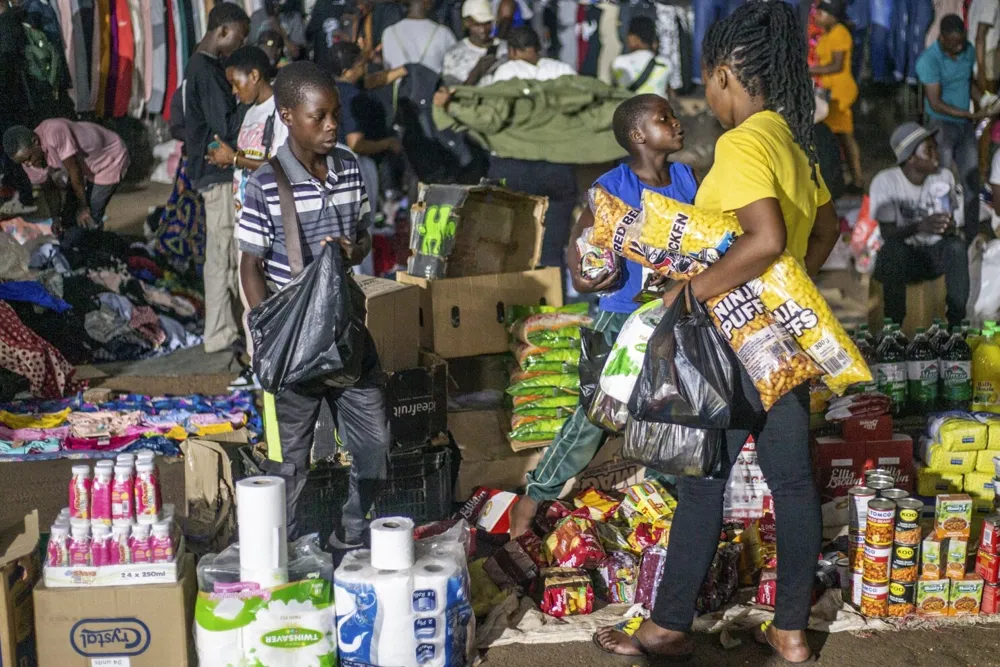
x=672 y=449
x=594 y=349
x=312 y=329
x=687 y=376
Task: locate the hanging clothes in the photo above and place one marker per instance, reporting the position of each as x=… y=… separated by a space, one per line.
x=178 y=55
x=81 y=12
x=674 y=26
x=156 y=54
x=24 y=352
x=111 y=87
x=126 y=59
x=100 y=54
x=170 y=59
x=588 y=38
x=137 y=100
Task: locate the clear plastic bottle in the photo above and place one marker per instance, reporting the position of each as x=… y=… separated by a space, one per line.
x=986 y=374
x=58 y=549
x=921 y=374
x=974 y=338
x=141 y=543
x=79 y=492
x=120 y=551
x=122 y=492
x=147 y=490
x=891 y=363
x=162 y=544
x=100 y=496
x=864 y=333
x=956 y=373
x=100 y=544
x=897 y=331
x=79 y=546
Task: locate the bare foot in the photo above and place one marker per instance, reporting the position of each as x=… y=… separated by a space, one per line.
x=521 y=516
x=649 y=639
x=789 y=644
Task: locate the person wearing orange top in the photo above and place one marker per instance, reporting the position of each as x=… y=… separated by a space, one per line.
x=833 y=73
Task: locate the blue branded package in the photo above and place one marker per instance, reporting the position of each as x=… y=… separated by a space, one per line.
x=425 y=628
x=426 y=653
x=424 y=600
x=357 y=611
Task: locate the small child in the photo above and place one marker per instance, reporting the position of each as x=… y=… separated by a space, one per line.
x=646 y=127
x=319 y=171
x=249 y=72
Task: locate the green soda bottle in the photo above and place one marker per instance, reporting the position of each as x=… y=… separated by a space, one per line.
x=956 y=373
x=891 y=363
x=921 y=374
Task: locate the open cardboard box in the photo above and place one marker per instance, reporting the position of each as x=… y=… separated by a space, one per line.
x=393 y=318
x=19 y=571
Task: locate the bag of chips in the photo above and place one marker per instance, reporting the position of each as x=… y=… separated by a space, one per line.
x=616 y=577
x=566 y=591
x=525 y=384
x=552 y=330
x=530 y=357
x=574 y=543
x=567 y=402
x=596 y=263
x=542 y=430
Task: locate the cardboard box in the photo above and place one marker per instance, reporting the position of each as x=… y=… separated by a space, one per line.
x=417 y=400
x=991 y=599
x=463 y=317
x=19 y=571
x=495 y=230
x=131 y=574
x=393 y=318
x=149 y=626
x=838 y=465
x=895 y=455
x=863 y=429
x=487 y=460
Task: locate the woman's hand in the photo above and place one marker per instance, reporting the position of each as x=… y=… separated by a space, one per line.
x=222 y=155
x=675 y=292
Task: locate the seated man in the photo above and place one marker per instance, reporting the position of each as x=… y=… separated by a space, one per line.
x=913 y=204
x=93 y=160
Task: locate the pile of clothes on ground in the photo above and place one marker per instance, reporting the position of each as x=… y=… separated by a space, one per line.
x=70 y=427
x=101 y=299
x=606 y=544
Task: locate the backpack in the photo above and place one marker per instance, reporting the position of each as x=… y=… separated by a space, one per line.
x=41 y=58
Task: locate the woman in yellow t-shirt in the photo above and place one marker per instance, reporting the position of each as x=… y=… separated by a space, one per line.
x=834 y=74
x=757 y=84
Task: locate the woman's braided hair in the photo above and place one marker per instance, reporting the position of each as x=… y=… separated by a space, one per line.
x=764 y=45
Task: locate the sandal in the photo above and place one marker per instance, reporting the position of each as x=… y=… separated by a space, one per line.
x=643 y=651
x=760 y=635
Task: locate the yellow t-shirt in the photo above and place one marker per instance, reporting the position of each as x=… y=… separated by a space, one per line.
x=760 y=159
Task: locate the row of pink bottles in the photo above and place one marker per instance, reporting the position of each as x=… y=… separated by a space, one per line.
x=95 y=545
x=115 y=491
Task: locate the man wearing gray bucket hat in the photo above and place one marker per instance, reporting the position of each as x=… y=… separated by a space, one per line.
x=916 y=206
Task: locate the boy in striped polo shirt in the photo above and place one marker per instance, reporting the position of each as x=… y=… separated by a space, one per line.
x=332 y=207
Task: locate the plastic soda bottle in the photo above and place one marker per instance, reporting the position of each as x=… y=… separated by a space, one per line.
x=892 y=372
x=58 y=549
x=863 y=332
x=986 y=375
x=900 y=336
x=162 y=545
x=867 y=351
x=955 y=371
x=886 y=330
x=921 y=373
x=79 y=493
x=100 y=497
x=974 y=338
x=147 y=491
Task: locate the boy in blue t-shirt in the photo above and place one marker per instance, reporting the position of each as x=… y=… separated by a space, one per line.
x=646 y=127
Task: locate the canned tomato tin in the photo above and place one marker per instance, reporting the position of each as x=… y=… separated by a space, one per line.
x=857 y=582
x=844 y=572
x=859 y=497
x=908 y=521
x=881 y=484
x=901 y=598
x=894 y=494
x=876 y=563
x=879 y=528
x=874 y=599
x=856 y=551
x=877 y=472
x=990 y=542
x=904 y=563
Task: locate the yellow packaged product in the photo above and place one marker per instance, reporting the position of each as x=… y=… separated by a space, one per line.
x=931 y=482
x=939 y=459
x=992 y=422
x=648 y=500
x=979 y=485
x=775 y=363
x=981 y=508
x=984 y=461
x=958 y=433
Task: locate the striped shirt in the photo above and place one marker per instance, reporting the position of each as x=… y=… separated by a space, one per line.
x=337 y=207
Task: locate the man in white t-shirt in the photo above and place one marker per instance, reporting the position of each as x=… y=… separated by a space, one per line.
x=416 y=40
x=984 y=32
x=641 y=70
x=524 y=50
x=479 y=53
x=915 y=205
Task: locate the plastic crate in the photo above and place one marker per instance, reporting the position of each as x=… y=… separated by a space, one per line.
x=419 y=485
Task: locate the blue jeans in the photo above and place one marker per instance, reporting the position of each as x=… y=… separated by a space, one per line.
x=957 y=145
x=707 y=12
x=578 y=440
x=880 y=39
x=911 y=19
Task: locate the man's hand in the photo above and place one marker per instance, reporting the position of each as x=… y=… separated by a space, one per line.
x=937 y=223
x=585 y=286
x=394 y=145
x=485 y=63
x=442 y=97
x=222 y=155
x=84 y=218
x=349 y=249
x=673 y=293
x=657 y=281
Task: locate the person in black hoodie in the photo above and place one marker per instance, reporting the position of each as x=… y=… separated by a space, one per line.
x=211 y=115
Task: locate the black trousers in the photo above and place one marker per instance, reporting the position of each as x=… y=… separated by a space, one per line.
x=545 y=179
x=782 y=437
x=899 y=264
x=363 y=427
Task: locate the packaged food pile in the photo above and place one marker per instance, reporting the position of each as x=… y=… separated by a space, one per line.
x=116 y=529
x=605 y=544
x=779 y=325
x=545 y=386
x=961 y=453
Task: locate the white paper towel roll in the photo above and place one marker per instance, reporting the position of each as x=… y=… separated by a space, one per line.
x=396 y=645
x=357 y=609
x=219 y=649
x=263 y=531
x=392 y=543
x=431 y=577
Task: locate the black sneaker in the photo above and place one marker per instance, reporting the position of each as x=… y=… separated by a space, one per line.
x=246 y=381
x=338 y=542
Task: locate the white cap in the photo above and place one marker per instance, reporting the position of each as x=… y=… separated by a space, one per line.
x=121 y=527
x=144 y=466
x=161 y=529
x=80 y=523
x=146 y=519
x=80 y=532
x=64 y=512
x=101 y=529
x=59 y=530
x=144 y=455
x=103 y=473
x=104 y=463
x=81 y=471
x=141 y=530
x=479 y=11
x=123 y=470
x=126 y=459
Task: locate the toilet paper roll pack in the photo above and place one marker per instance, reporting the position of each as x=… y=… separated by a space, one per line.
x=392 y=543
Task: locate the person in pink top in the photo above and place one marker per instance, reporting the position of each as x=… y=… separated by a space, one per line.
x=87 y=160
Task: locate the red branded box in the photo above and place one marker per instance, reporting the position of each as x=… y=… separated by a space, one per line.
x=895 y=455
x=988 y=567
x=838 y=466
x=990 y=541
x=864 y=429
x=991 y=600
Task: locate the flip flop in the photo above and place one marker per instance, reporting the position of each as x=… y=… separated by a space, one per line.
x=643 y=651
x=762 y=635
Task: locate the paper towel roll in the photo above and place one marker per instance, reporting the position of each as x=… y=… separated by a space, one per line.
x=219 y=649
x=396 y=645
x=363 y=556
x=392 y=543
x=357 y=610
x=263 y=531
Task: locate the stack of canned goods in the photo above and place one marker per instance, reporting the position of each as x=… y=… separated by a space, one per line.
x=884 y=546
